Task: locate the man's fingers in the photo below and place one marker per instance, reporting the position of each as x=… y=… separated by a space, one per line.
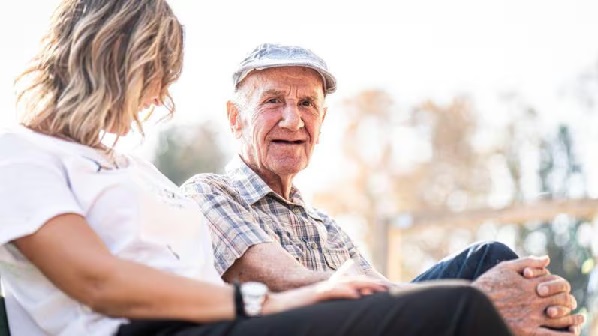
x=565 y=321
x=557 y=332
x=527 y=262
x=552 y=287
x=563 y=300
x=530 y=273
x=557 y=311
x=366 y=291
x=363 y=283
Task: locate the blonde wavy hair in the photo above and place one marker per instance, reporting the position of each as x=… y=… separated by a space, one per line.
x=97 y=61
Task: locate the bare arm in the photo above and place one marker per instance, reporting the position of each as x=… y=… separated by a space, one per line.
x=271 y=264
x=72 y=256
x=75 y=260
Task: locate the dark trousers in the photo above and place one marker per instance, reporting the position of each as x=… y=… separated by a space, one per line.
x=435 y=309
x=431 y=310
x=470 y=263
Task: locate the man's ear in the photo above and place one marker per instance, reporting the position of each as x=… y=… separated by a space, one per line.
x=324 y=110
x=234 y=119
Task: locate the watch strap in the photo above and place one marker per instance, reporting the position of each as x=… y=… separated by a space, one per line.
x=239 y=304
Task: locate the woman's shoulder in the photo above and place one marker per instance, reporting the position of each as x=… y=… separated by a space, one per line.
x=19 y=142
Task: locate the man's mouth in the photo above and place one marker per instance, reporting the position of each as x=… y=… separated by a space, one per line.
x=288 y=142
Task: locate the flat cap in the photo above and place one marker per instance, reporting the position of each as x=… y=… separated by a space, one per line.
x=271 y=55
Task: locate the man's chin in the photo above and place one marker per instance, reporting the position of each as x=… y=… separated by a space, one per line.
x=287 y=169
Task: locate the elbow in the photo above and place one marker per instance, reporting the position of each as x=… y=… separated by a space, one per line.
x=97 y=291
x=98 y=300
x=106 y=300
x=276 y=281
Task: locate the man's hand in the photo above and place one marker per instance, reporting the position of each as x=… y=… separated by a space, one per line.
x=348 y=268
x=525 y=302
x=553 y=285
x=344 y=287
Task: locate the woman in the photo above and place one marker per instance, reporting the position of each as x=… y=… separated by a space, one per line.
x=96 y=242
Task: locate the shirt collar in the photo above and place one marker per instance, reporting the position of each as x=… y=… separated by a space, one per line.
x=252 y=188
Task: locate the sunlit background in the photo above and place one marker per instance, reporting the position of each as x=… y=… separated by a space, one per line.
x=454 y=121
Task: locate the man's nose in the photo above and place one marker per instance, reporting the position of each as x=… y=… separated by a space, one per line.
x=291 y=118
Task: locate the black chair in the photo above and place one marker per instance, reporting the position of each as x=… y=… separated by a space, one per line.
x=4 y=330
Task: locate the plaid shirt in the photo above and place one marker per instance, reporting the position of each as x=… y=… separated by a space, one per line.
x=243 y=211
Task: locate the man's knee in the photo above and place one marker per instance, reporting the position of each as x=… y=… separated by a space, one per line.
x=493 y=251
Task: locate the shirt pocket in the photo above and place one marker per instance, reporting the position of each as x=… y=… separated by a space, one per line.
x=336 y=257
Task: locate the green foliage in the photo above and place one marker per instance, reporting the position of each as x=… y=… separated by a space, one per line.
x=562 y=239
x=185 y=150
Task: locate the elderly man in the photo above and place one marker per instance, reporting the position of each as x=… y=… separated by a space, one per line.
x=262 y=229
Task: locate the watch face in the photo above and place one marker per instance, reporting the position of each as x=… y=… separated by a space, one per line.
x=254 y=288
x=254 y=294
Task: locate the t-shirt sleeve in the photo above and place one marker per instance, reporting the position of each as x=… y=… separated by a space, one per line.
x=33 y=188
x=233 y=227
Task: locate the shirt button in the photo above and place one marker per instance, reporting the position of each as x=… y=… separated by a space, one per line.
x=313 y=245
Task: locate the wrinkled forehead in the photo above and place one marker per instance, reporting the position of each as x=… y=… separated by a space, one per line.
x=306 y=80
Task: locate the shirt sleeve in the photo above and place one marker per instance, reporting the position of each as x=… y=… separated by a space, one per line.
x=33 y=188
x=340 y=238
x=233 y=226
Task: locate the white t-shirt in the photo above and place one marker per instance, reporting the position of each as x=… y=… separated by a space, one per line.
x=138 y=213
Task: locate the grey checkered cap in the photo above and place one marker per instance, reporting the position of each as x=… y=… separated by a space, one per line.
x=271 y=55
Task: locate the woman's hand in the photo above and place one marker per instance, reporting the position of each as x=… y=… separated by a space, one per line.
x=349 y=287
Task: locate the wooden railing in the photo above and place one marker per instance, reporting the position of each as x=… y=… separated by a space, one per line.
x=541 y=211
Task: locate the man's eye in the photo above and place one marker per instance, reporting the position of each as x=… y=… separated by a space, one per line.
x=273 y=101
x=306 y=103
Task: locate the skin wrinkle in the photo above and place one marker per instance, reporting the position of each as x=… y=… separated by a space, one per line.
x=295 y=275
x=279 y=104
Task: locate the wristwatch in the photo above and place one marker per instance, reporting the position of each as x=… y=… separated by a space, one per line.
x=254 y=295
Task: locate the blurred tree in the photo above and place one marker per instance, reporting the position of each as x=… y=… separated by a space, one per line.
x=565 y=239
x=367 y=149
x=545 y=167
x=407 y=167
x=585 y=89
x=185 y=150
x=455 y=177
x=423 y=161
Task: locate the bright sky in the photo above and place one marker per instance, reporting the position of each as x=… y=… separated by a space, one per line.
x=414 y=49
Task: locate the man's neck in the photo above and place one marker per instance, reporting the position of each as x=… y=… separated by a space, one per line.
x=279 y=184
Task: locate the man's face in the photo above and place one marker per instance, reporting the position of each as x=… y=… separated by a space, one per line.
x=278 y=122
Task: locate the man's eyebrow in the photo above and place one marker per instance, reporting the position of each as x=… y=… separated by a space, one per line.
x=275 y=92
x=272 y=92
